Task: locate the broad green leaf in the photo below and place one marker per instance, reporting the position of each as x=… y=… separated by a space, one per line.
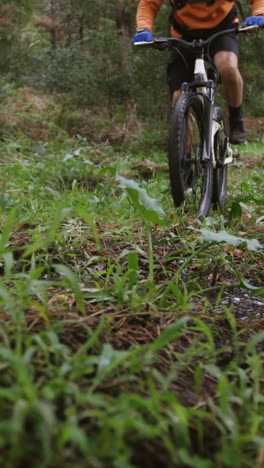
x=148 y=207
x=235 y=210
x=224 y=236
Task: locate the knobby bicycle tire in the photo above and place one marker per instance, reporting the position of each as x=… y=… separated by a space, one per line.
x=220 y=150
x=191 y=179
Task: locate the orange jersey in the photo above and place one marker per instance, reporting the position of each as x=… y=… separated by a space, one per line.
x=196 y=14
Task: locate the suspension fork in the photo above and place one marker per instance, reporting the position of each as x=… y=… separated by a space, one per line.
x=208 y=119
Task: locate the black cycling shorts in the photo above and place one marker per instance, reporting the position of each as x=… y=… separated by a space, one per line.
x=180 y=66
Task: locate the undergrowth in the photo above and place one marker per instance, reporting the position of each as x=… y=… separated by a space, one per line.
x=132 y=335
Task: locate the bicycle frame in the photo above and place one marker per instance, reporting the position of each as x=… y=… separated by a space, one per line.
x=206 y=89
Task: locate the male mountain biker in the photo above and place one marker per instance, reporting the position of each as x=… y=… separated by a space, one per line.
x=191 y=19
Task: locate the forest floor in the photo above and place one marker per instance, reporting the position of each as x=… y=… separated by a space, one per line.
x=255 y=124
x=142 y=338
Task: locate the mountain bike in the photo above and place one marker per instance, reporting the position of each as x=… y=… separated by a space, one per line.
x=198 y=148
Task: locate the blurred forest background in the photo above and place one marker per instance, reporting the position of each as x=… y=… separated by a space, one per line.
x=81 y=51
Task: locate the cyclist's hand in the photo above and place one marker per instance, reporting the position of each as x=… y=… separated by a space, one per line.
x=255 y=21
x=144 y=35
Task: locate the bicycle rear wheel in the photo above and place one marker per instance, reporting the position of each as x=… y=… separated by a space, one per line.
x=191 y=179
x=220 y=150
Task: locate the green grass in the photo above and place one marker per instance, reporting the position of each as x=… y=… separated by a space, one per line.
x=117 y=345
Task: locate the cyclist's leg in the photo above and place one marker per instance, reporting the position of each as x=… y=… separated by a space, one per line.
x=225 y=51
x=175 y=96
x=231 y=80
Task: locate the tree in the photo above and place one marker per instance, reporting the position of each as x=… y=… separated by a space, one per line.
x=13 y=17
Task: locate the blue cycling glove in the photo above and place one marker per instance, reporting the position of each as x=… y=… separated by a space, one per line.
x=144 y=35
x=255 y=21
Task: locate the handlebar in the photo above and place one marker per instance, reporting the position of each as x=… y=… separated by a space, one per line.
x=198 y=44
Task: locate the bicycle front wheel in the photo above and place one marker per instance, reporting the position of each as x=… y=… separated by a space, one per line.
x=191 y=179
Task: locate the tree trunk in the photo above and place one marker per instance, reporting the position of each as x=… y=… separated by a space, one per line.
x=55 y=15
x=123 y=32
